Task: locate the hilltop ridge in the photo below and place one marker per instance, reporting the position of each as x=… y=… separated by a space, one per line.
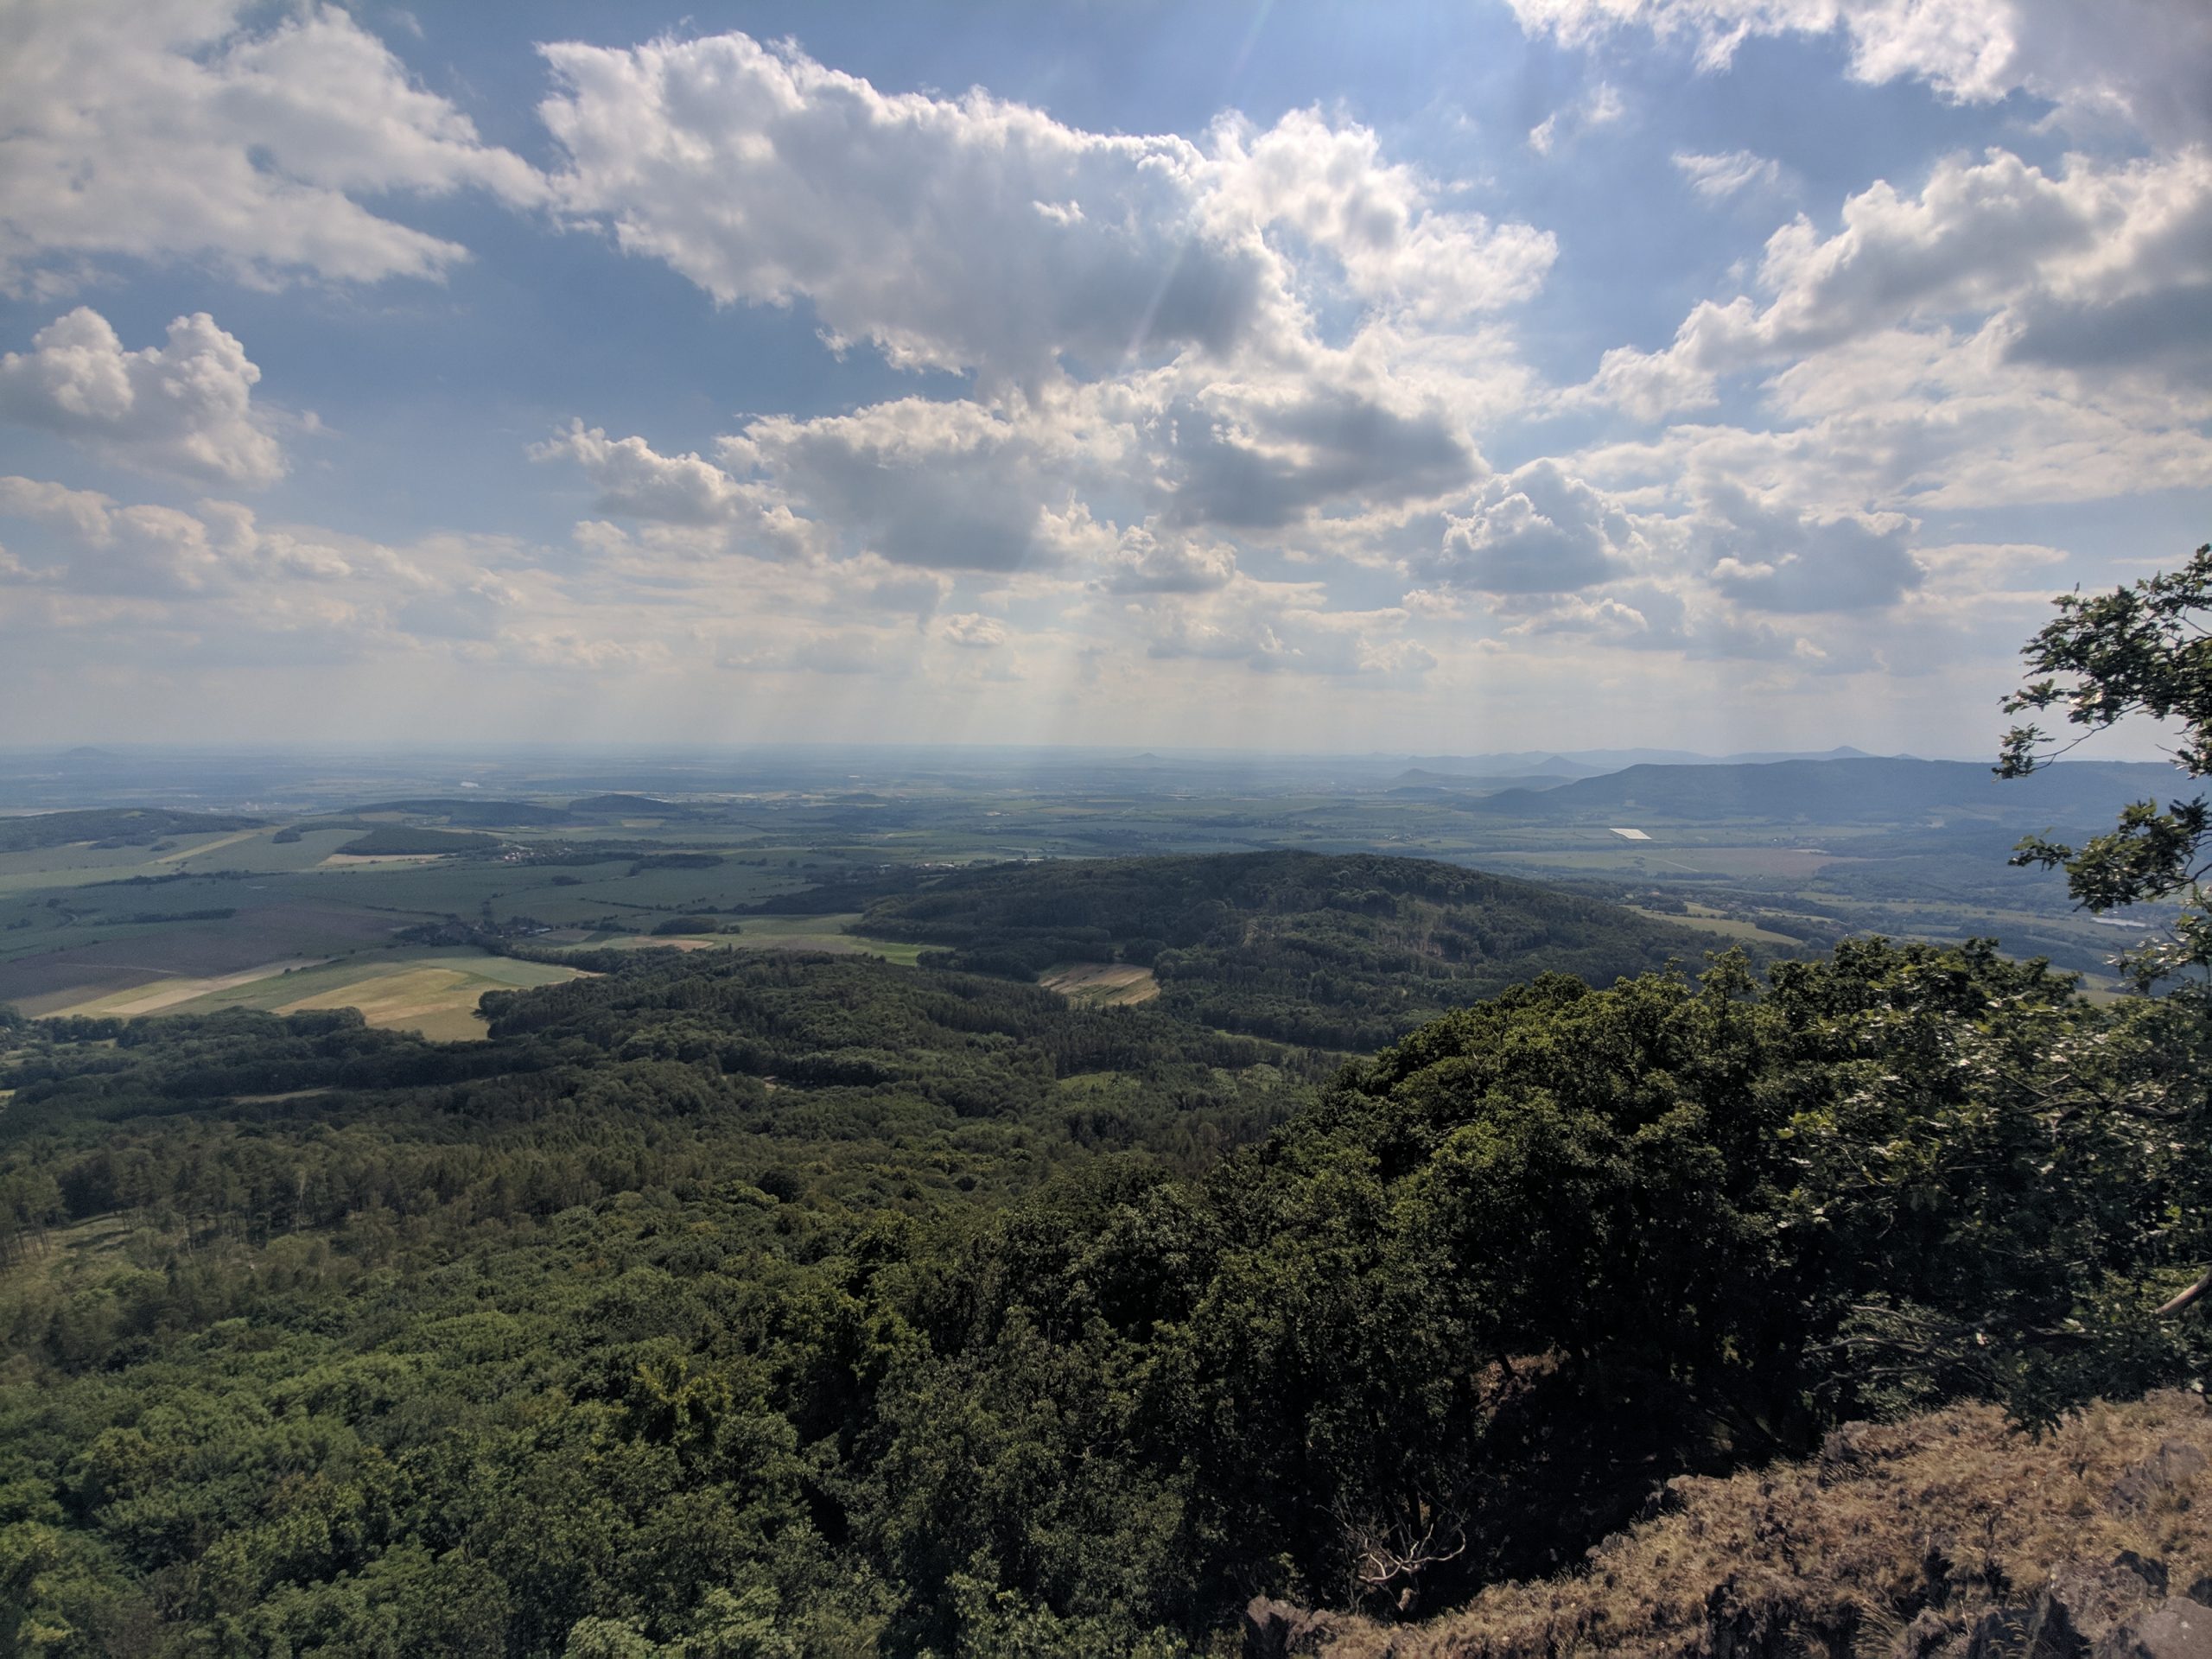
x=1858 y=789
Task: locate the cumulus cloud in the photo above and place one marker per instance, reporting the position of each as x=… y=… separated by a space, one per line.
x=2084 y=267
x=144 y=549
x=1262 y=463
x=2145 y=61
x=959 y=485
x=1380 y=222
x=636 y=482
x=185 y=406
x=969 y=233
x=1278 y=628
x=263 y=593
x=976 y=234
x=975 y=631
x=1153 y=393
x=1927 y=419
x=1770 y=558
x=176 y=129
x=941 y=485
x=1537 y=531
x=1140 y=562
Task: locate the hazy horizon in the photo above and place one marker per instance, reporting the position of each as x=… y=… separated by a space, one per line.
x=1534 y=375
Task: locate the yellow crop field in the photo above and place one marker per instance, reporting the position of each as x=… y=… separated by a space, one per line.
x=433 y=993
x=435 y=996
x=160 y=995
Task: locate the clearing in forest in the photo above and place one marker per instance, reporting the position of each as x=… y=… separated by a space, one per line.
x=1116 y=984
x=434 y=997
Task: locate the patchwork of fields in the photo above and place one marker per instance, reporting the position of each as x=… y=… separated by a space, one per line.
x=144 y=912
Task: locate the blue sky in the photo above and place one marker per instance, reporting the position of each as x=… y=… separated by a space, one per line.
x=1725 y=373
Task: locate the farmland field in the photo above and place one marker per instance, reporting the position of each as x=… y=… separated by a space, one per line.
x=1116 y=984
x=69 y=965
x=432 y=993
x=819 y=933
x=1726 y=927
x=194 y=919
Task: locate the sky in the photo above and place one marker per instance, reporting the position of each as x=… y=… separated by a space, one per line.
x=1500 y=374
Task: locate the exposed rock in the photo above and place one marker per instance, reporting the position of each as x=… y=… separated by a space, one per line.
x=1277 y=1629
x=2179 y=1629
x=2000 y=1633
x=2150 y=1570
x=2081 y=1604
x=1930 y=1635
x=2164 y=1476
x=1669 y=1497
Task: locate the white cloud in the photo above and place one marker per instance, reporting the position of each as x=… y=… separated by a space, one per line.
x=636 y=482
x=185 y=406
x=216 y=575
x=1769 y=558
x=1923 y=420
x=941 y=485
x=1138 y=561
x=975 y=234
x=1719 y=177
x=974 y=631
x=966 y=233
x=1329 y=187
x=1278 y=628
x=1537 y=531
x=2145 y=61
x=1601 y=107
x=173 y=129
x=868 y=651
x=2098 y=269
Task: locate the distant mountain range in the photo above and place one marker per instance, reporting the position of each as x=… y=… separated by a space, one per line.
x=1855 y=790
x=1592 y=762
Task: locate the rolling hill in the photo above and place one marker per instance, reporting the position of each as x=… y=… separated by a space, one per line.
x=1851 y=790
x=136 y=826
x=1339 y=951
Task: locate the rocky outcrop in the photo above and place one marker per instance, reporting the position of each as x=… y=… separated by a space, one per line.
x=1277 y=1629
x=2180 y=1628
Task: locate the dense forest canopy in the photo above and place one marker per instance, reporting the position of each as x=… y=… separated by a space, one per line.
x=719 y=1304
x=846 y=1307
x=1339 y=951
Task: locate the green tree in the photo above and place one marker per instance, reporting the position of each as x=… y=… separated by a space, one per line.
x=2144 y=650
x=2140 y=650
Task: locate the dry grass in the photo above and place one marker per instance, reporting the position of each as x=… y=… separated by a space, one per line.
x=1836 y=1556
x=1113 y=983
x=434 y=996
x=165 y=993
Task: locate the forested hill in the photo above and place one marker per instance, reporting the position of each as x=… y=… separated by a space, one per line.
x=134 y=826
x=1868 y=791
x=720 y=1305
x=1343 y=952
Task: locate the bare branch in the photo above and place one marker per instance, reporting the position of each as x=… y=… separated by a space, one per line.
x=2187 y=1298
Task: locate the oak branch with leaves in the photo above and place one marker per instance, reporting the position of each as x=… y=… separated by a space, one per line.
x=2144 y=650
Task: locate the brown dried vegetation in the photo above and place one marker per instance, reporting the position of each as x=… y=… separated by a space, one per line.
x=1946 y=1533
